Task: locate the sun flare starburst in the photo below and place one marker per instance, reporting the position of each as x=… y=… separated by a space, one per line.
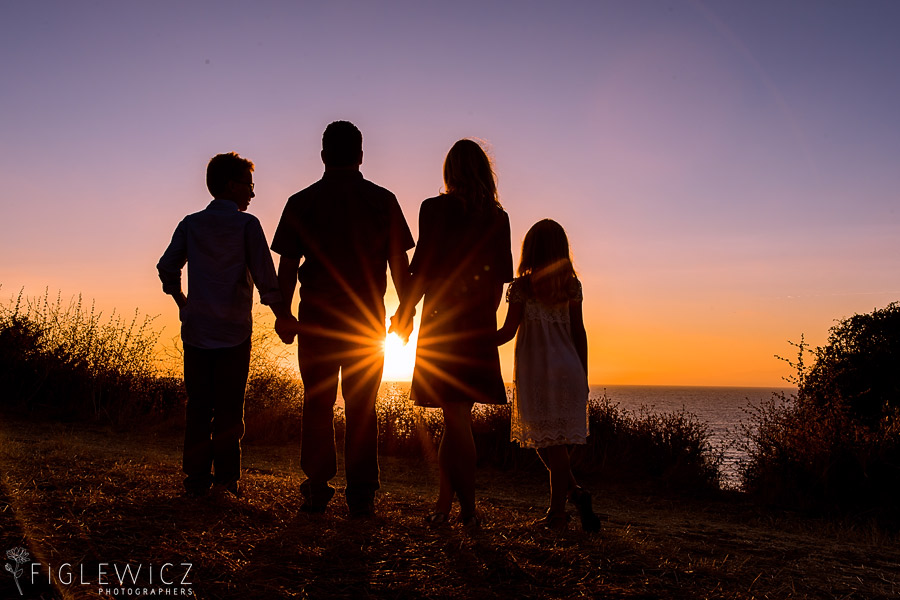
x=399 y=358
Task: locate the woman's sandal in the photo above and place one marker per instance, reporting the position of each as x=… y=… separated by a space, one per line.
x=471 y=522
x=436 y=518
x=581 y=498
x=558 y=521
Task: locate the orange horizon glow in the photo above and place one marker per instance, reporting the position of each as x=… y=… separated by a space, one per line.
x=630 y=349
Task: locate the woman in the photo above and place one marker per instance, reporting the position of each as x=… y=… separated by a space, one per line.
x=461 y=262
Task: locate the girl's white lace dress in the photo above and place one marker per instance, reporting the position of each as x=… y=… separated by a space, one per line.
x=550 y=386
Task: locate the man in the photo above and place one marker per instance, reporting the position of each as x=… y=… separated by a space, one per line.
x=347 y=231
x=226 y=253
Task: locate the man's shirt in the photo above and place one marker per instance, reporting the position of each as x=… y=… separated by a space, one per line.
x=226 y=254
x=345 y=228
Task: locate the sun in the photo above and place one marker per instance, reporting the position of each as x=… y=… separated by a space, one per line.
x=399 y=358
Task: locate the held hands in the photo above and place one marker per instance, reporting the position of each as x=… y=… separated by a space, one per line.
x=403 y=330
x=287 y=328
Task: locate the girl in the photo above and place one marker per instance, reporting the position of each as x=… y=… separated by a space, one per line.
x=550 y=376
x=461 y=262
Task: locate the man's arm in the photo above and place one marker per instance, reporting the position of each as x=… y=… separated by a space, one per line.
x=399 y=264
x=286 y=323
x=402 y=321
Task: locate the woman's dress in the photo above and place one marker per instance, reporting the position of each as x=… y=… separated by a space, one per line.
x=464 y=258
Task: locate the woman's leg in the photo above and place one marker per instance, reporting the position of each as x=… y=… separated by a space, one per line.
x=445 y=495
x=457 y=458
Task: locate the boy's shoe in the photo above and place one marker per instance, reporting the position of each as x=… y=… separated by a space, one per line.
x=581 y=498
x=197 y=487
x=234 y=488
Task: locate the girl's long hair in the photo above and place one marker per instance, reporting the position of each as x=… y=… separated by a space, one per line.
x=469 y=175
x=547 y=263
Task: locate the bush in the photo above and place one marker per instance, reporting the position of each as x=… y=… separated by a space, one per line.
x=273 y=401
x=671 y=448
x=859 y=367
x=817 y=450
x=67 y=361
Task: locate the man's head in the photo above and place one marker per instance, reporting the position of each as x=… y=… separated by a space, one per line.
x=341 y=145
x=230 y=177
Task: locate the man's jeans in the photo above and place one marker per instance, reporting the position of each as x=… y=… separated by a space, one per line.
x=327 y=348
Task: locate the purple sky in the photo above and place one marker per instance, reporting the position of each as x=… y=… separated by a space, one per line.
x=727 y=172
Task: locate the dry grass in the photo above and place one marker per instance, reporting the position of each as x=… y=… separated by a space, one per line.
x=86 y=496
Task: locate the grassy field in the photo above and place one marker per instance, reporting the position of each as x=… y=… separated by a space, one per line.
x=87 y=496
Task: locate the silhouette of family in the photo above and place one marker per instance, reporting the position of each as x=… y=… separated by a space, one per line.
x=338 y=238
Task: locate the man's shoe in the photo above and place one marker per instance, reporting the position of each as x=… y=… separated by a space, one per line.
x=313 y=508
x=316 y=498
x=362 y=510
x=196 y=491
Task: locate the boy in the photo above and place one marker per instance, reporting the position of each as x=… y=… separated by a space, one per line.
x=226 y=253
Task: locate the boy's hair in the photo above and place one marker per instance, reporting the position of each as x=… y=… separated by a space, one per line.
x=468 y=174
x=546 y=262
x=225 y=168
x=341 y=144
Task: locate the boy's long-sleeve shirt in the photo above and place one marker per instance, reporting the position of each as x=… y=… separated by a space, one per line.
x=226 y=254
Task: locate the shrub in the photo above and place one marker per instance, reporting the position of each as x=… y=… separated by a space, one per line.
x=858 y=367
x=815 y=450
x=67 y=361
x=273 y=401
x=671 y=448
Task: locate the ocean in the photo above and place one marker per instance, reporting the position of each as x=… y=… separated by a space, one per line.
x=722 y=408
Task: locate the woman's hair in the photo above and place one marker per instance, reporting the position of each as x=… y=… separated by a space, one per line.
x=546 y=262
x=225 y=168
x=469 y=175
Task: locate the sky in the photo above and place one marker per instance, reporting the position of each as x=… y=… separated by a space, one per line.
x=727 y=171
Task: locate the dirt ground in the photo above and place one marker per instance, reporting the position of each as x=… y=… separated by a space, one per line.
x=87 y=503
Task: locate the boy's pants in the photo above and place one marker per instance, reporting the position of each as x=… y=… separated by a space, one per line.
x=215 y=380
